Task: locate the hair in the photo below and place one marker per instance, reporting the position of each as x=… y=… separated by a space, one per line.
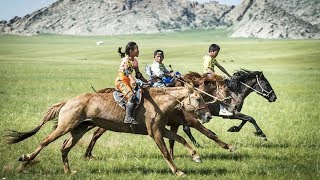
x=129 y=48
x=214 y=47
x=157 y=51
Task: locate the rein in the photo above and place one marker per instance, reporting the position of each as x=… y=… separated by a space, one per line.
x=181 y=104
x=99 y=94
x=107 y=99
x=263 y=90
x=205 y=106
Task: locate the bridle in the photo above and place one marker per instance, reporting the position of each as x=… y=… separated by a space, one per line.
x=263 y=92
x=181 y=104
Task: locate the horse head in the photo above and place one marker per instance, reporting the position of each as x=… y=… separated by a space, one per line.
x=196 y=104
x=245 y=81
x=264 y=88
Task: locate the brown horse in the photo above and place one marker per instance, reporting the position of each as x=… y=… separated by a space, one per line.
x=214 y=86
x=81 y=113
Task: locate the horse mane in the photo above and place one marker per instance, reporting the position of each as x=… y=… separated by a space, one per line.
x=244 y=74
x=106 y=90
x=193 y=77
x=241 y=75
x=198 y=79
x=164 y=89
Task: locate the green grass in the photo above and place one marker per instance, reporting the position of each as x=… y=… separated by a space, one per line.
x=38 y=71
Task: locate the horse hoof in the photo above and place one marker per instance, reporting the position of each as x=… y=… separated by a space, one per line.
x=265 y=138
x=90 y=157
x=180 y=173
x=23 y=158
x=233 y=129
x=233 y=148
x=197 y=159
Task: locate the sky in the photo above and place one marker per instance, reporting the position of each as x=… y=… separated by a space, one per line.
x=11 y=8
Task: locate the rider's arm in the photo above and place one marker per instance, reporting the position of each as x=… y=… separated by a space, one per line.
x=222 y=69
x=139 y=75
x=127 y=72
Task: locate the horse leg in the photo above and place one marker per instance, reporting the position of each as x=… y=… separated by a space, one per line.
x=173 y=129
x=59 y=131
x=237 y=128
x=158 y=138
x=96 y=135
x=185 y=118
x=250 y=119
x=76 y=135
x=173 y=136
x=187 y=130
x=211 y=135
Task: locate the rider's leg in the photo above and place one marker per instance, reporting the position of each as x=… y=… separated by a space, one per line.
x=130 y=108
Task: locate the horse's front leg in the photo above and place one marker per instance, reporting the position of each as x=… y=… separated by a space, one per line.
x=246 y=118
x=157 y=136
x=173 y=136
x=197 y=125
x=174 y=129
x=187 y=130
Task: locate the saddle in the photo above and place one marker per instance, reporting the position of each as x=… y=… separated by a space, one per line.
x=122 y=101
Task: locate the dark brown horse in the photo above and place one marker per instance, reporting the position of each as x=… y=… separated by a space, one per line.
x=214 y=86
x=81 y=113
x=241 y=84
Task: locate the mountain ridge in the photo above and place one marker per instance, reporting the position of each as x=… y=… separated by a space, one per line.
x=268 y=19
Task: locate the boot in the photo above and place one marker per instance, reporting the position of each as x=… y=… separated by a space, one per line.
x=129 y=109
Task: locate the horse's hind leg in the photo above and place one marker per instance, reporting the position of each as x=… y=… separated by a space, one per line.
x=67 y=120
x=237 y=128
x=173 y=136
x=96 y=135
x=59 y=131
x=250 y=119
x=76 y=135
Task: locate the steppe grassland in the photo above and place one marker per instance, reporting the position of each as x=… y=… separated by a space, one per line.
x=39 y=71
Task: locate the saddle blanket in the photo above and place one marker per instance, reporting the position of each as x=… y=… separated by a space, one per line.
x=122 y=101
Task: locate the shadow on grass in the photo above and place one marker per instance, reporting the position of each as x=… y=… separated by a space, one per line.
x=163 y=171
x=231 y=156
x=273 y=145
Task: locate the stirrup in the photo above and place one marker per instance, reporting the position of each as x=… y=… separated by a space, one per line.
x=127 y=120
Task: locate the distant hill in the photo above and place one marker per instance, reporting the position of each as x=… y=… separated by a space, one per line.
x=296 y=19
x=252 y=18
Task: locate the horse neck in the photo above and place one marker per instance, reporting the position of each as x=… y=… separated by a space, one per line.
x=241 y=93
x=209 y=88
x=177 y=93
x=169 y=97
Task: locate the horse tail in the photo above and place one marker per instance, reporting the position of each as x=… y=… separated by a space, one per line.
x=13 y=137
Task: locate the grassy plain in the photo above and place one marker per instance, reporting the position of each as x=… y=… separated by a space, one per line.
x=38 y=71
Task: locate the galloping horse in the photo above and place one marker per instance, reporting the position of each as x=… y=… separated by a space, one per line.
x=81 y=113
x=241 y=84
x=214 y=86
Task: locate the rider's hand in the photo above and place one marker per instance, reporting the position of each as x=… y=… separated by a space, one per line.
x=133 y=84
